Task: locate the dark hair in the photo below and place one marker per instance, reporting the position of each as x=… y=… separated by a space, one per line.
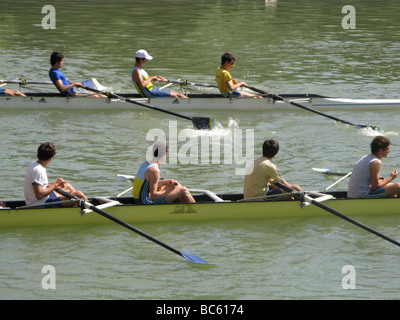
x=46 y=151
x=227 y=57
x=159 y=149
x=56 y=57
x=379 y=142
x=270 y=148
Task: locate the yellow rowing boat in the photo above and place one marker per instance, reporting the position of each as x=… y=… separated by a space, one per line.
x=225 y=206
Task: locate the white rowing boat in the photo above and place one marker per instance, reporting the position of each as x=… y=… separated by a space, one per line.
x=204 y=101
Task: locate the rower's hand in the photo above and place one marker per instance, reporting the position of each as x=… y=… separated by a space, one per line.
x=161 y=79
x=171 y=183
x=60 y=183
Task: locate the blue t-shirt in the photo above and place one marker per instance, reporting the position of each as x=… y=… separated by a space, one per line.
x=2 y=92
x=56 y=74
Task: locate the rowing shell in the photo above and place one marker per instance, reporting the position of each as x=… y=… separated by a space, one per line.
x=205 y=101
x=205 y=209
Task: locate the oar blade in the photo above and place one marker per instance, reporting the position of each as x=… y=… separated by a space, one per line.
x=203 y=123
x=193 y=259
x=364 y=126
x=329 y=172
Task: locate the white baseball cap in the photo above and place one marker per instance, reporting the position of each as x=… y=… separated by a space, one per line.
x=143 y=54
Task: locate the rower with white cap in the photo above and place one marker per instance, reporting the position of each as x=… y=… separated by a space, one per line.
x=144 y=83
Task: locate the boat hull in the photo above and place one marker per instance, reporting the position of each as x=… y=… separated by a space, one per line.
x=200 y=211
x=195 y=101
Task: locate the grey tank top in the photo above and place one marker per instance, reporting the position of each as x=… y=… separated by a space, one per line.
x=360 y=180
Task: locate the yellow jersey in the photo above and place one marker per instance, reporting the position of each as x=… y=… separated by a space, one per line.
x=221 y=76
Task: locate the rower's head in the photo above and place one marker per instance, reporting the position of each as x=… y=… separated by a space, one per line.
x=228 y=59
x=56 y=57
x=270 y=148
x=380 y=143
x=46 y=151
x=160 y=150
x=142 y=55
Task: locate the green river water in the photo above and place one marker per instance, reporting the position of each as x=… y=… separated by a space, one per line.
x=284 y=47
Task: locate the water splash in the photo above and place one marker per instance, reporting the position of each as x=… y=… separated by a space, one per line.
x=218 y=131
x=369 y=132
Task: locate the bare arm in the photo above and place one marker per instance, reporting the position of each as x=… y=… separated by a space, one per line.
x=137 y=77
x=157 y=188
x=376 y=181
x=40 y=192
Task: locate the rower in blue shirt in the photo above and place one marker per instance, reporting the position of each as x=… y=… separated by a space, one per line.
x=66 y=87
x=63 y=85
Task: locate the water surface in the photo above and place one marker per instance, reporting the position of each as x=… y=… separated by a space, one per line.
x=284 y=47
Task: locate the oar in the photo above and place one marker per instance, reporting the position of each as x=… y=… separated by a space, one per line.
x=24 y=82
x=339 y=214
x=329 y=172
x=188 y=83
x=336 y=182
x=201 y=123
x=277 y=97
x=189 y=257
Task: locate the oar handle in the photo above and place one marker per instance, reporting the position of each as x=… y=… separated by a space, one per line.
x=284 y=187
x=259 y=91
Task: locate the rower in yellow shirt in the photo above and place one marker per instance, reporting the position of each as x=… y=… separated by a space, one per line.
x=226 y=84
x=262 y=176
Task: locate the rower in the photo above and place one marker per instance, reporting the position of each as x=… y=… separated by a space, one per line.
x=263 y=174
x=226 y=84
x=66 y=88
x=149 y=189
x=365 y=181
x=144 y=84
x=37 y=188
